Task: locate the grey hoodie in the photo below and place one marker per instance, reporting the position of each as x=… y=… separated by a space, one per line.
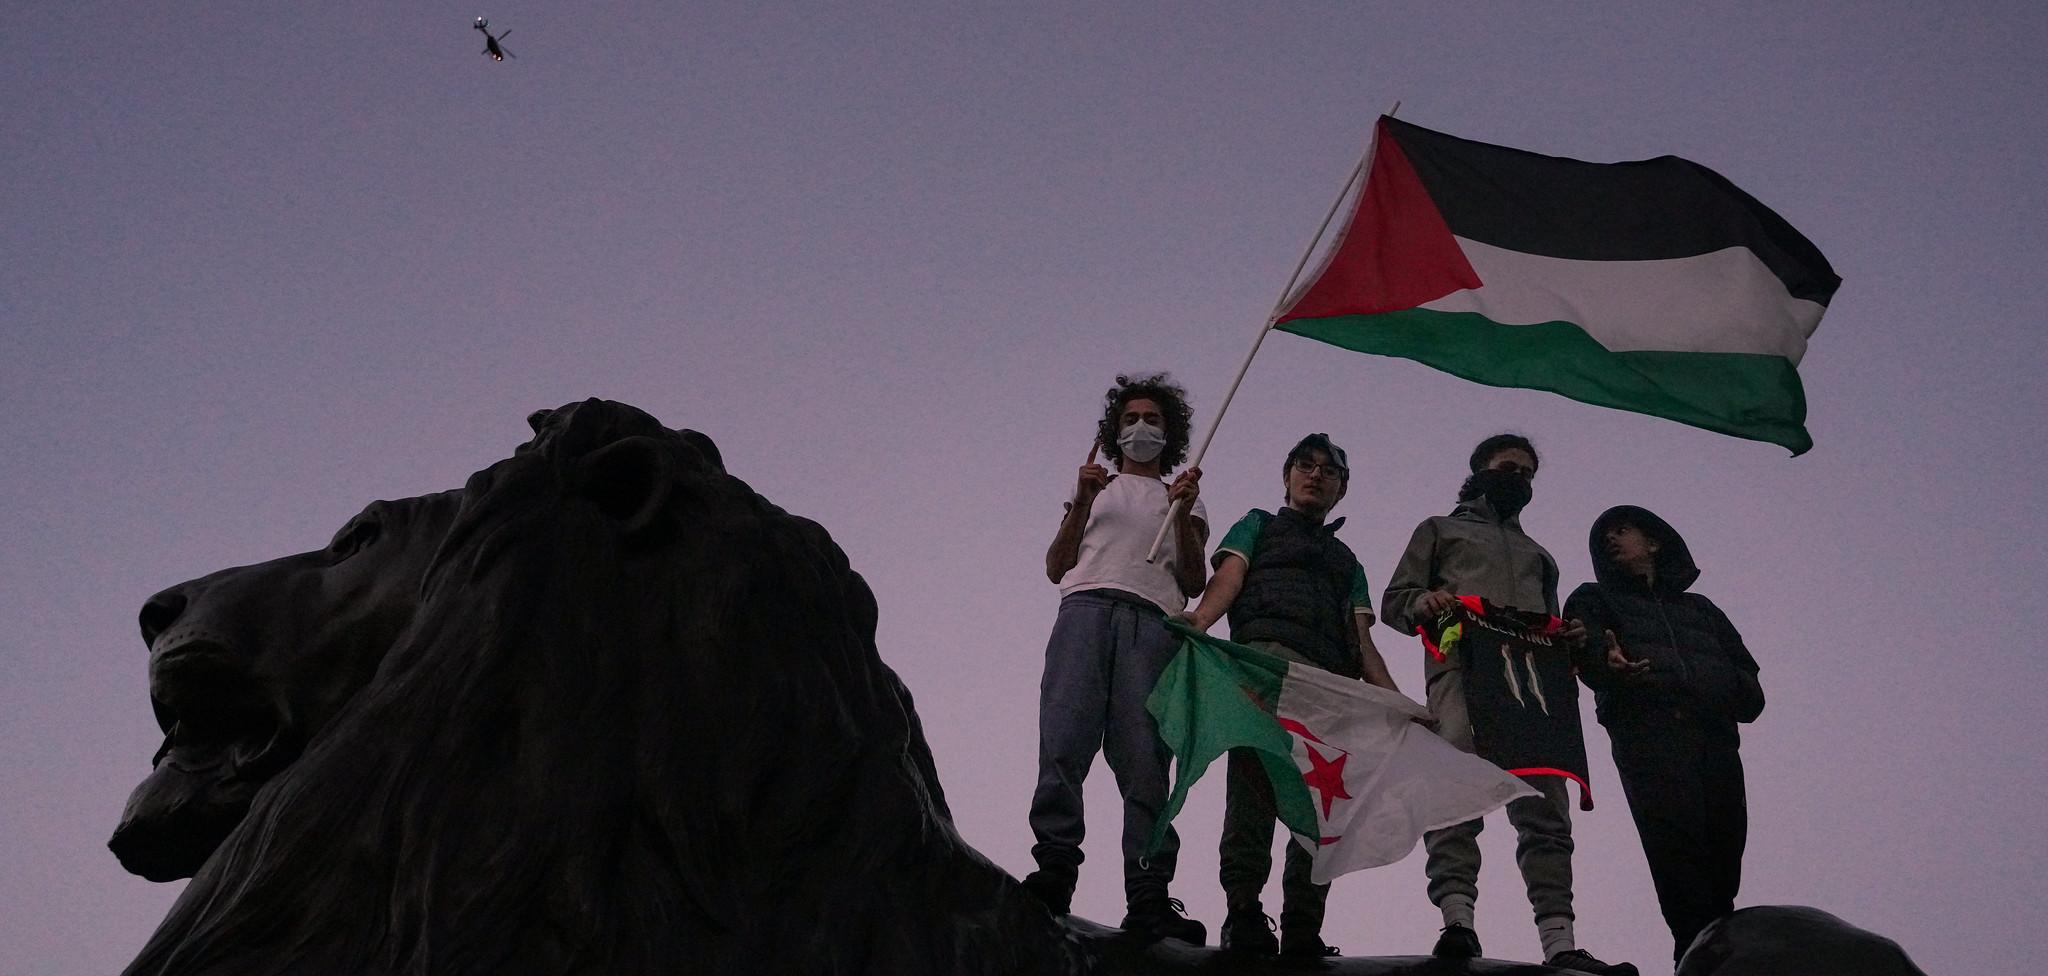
x=1470 y=552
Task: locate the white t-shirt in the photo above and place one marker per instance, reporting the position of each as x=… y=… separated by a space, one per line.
x=1121 y=525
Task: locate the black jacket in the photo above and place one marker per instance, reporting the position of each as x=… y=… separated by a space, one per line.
x=1699 y=668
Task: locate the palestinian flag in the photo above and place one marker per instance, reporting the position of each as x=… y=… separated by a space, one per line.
x=1654 y=286
x=1354 y=779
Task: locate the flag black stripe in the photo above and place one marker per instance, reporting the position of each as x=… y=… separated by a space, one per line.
x=1648 y=209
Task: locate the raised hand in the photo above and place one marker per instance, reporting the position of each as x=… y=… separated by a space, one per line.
x=1092 y=478
x=1619 y=661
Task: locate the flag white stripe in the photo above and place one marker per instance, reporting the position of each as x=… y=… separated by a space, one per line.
x=1723 y=301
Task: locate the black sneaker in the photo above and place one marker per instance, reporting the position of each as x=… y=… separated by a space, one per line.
x=1457 y=942
x=1249 y=930
x=1153 y=919
x=1053 y=887
x=1581 y=961
x=1309 y=946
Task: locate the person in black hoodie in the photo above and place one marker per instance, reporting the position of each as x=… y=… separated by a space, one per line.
x=1671 y=679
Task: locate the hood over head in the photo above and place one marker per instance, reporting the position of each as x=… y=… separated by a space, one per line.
x=1675 y=569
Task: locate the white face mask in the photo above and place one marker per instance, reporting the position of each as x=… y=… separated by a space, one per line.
x=1141 y=442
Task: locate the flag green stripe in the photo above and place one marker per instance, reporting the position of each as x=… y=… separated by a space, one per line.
x=1215 y=696
x=1744 y=394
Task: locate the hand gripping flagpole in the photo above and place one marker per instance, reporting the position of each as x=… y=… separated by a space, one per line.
x=1173 y=511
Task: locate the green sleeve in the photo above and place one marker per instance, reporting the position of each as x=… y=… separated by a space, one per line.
x=1361 y=591
x=1243 y=537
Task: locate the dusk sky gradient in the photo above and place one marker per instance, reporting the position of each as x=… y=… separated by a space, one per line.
x=263 y=263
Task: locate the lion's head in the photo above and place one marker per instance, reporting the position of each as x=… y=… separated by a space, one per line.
x=634 y=722
x=248 y=664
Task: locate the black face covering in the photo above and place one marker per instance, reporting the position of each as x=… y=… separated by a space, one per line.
x=1507 y=491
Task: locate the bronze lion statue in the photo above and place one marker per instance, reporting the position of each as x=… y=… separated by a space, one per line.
x=605 y=710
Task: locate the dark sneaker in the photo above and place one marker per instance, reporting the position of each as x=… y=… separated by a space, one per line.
x=1293 y=946
x=1249 y=930
x=1457 y=942
x=1054 y=887
x=1581 y=961
x=1163 y=918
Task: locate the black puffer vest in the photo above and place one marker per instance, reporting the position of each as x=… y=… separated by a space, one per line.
x=1297 y=591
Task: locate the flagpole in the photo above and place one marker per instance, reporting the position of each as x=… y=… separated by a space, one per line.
x=1364 y=159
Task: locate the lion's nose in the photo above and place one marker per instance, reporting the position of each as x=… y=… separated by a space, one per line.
x=160 y=612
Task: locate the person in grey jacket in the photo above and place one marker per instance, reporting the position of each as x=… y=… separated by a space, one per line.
x=1671 y=678
x=1480 y=550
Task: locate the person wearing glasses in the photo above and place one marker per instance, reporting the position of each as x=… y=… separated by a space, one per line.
x=1291 y=589
x=1480 y=550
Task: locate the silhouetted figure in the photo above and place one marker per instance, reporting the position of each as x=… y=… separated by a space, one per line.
x=1671 y=679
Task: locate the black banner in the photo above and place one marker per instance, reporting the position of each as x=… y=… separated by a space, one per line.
x=1520 y=692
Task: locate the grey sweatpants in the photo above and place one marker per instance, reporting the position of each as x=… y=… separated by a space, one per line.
x=1543 y=824
x=1106 y=652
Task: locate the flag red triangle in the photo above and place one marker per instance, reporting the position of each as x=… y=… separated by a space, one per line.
x=1395 y=253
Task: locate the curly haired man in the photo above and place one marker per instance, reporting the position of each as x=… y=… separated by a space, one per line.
x=1109 y=645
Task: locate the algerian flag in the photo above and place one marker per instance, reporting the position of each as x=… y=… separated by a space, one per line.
x=1654 y=286
x=1354 y=779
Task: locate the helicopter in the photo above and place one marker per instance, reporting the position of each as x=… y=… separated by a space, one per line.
x=492 y=49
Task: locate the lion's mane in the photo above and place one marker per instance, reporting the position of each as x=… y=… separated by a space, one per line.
x=637 y=725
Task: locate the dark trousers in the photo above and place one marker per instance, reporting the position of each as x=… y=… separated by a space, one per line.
x=1106 y=652
x=1245 y=852
x=1684 y=788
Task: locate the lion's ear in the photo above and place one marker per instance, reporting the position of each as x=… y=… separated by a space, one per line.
x=630 y=480
x=704 y=446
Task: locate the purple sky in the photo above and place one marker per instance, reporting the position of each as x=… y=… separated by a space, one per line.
x=262 y=263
